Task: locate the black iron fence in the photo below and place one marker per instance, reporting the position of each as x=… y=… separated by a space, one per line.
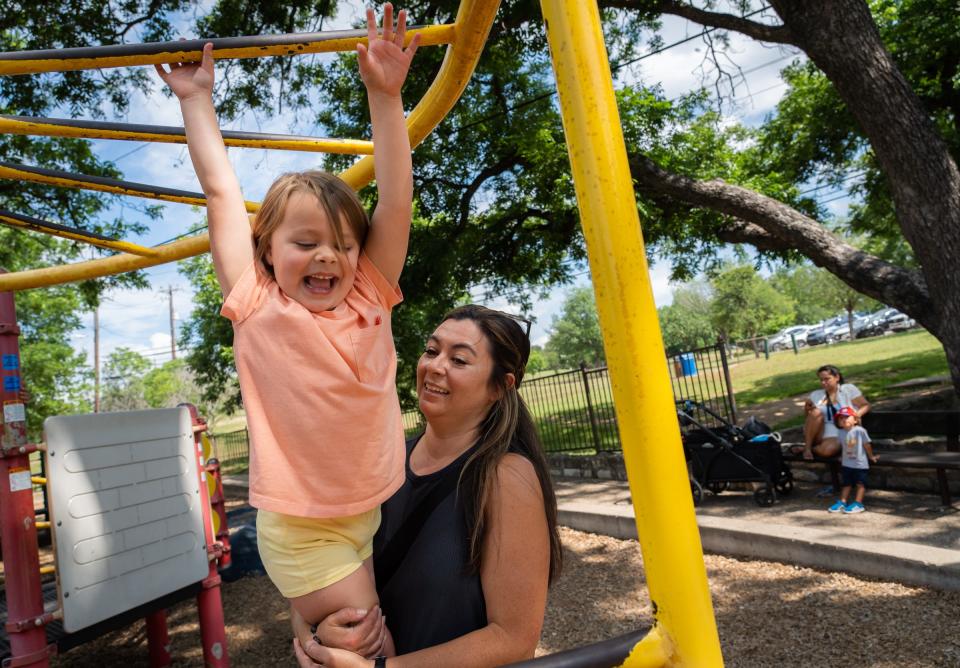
x=574 y=409
x=231 y=446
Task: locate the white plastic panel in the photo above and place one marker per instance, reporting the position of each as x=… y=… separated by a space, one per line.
x=125 y=504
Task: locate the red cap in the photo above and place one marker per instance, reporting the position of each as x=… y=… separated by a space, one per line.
x=844 y=411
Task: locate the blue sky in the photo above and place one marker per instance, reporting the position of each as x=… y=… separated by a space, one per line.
x=140 y=319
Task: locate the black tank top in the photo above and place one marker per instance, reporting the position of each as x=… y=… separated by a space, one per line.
x=431 y=597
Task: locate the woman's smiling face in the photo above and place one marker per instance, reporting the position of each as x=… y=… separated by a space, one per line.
x=453 y=374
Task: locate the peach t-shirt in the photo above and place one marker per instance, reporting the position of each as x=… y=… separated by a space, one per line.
x=320 y=395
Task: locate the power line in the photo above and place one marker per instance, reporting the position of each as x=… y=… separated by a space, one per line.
x=614 y=68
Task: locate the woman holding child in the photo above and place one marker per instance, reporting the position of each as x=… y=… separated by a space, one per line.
x=469 y=544
x=820 y=433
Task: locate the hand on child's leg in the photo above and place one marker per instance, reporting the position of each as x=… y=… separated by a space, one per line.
x=343 y=601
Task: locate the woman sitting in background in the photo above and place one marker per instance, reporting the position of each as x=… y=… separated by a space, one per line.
x=820 y=434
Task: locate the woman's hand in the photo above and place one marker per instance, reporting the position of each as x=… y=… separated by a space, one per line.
x=318 y=655
x=383 y=60
x=808 y=406
x=188 y=80
x=360 y=631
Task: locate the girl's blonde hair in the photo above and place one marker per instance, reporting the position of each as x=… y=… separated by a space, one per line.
x=338 y=201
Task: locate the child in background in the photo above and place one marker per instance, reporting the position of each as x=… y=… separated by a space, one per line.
x=856 y=454
x=310 y=297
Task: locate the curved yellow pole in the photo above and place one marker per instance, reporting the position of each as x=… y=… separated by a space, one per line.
x=474 y=19
x=653 y=454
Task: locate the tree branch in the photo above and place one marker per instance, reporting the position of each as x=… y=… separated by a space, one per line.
x=504 y=164
x=772 y=225
x=776 y=34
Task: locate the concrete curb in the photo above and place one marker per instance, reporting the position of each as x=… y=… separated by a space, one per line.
x=889 y=560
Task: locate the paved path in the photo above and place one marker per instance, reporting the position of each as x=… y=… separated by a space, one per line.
x=903 y=537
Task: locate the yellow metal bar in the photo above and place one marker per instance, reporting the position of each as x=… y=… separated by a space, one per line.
x=666 y=524
x=651 y=652
x=42 y=525
x=75 y=235
x=103 y=184
x=116 y=264
x=38 y=480
x=474 y=19
x=126 y=55
x=51 y=127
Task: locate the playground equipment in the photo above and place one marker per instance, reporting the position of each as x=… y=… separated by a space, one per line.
x=136 y=513
x=684 y=632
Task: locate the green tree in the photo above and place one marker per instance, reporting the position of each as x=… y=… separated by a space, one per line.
x=685 y=324
x=810 y=289
x=537 y=361
x=123 y=387
x=745 y=306
x=575 y=334
x=172 y=384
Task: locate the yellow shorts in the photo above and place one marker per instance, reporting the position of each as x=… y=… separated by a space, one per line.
x=305 y=554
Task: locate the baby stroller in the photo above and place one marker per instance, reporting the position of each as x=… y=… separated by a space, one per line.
x=719 y=455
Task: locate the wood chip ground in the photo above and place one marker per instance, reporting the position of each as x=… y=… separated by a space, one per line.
x=768 y=614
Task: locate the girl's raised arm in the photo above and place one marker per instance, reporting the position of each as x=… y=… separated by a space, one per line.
x=230 y=241
x=384 y=64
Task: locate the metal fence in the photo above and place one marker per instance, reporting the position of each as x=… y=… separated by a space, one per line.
x=574 y=409
x=231 y=446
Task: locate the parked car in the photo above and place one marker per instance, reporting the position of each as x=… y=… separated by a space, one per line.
x=900 y=322
x=783 y=340
x=839 y=332
x=871 y=325
x=817 y=336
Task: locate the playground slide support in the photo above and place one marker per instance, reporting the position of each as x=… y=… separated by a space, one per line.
x=213 y=633
x=219 y=508
x=685 y=631
x=158 y=639
x=26 y=620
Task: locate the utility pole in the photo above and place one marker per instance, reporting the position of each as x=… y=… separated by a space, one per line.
x=96 y=359
x=173 y=336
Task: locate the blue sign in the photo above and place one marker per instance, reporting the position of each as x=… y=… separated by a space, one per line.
x=11 y=362
x=11 y=383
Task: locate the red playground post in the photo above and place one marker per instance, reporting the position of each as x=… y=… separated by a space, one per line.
x=25 y=618
x=213 y=633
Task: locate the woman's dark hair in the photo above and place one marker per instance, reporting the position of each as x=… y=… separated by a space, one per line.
x=832 y=370
x=508 y=427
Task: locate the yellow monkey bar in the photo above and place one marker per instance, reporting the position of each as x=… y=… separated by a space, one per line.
x=72 y=233
x=64 y=127
x=184 y=51
x=685 y=632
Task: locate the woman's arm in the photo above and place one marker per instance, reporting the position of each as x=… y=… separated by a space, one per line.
x=861 y=405
x=383 y=67
x=516 y=566
x=230 y=242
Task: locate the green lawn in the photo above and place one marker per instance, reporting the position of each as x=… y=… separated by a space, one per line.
x=873 y=365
